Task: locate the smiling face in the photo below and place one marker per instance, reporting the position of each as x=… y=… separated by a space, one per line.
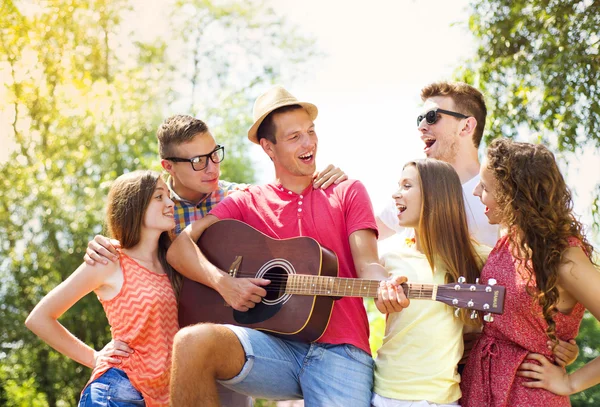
x=442 y=137
x=160 y=213
x=188 y=183
x=295 y=152
x=408 y=198
x=486 y=191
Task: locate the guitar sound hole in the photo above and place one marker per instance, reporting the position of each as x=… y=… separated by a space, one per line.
x=278 y=277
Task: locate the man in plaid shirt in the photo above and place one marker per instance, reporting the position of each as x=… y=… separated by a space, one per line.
x=191 y=156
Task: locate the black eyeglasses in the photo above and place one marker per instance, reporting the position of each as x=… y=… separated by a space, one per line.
x=200 y=162
x=432 y=116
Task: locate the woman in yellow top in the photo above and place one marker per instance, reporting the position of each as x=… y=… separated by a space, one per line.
x=417 y=364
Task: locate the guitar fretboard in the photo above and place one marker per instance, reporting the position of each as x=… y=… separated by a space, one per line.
x=299 y=284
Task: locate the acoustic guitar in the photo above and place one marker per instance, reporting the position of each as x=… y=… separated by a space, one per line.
x=304 y=284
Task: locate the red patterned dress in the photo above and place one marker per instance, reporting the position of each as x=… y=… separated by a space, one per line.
x=489 y=378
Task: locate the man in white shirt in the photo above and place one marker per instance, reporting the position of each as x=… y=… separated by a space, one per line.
x=451 y=126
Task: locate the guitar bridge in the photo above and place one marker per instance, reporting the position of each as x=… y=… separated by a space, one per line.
x=235 y=266
x=233 y=269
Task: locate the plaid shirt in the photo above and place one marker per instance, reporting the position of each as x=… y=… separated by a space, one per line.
x=187 y=212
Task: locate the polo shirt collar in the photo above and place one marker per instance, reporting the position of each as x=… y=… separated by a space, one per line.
x=285 y=191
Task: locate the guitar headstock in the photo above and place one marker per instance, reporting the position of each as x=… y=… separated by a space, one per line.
x=487 y=298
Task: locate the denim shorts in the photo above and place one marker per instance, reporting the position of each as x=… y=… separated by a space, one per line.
x=322 y=374
x=112 y=389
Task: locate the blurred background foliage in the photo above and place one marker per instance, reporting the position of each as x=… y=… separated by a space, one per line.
x=85 y=93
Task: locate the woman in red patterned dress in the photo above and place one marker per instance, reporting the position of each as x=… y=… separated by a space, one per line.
x=545 y=264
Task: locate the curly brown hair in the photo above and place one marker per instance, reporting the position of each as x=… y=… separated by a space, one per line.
x=536 y=204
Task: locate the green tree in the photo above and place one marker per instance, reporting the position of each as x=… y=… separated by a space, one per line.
x=539 y=63
x=540 y=60
x=589 y=345
x=80 y=117
x=84 y=97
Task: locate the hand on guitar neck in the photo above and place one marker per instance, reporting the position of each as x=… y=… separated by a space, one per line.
x=390 y=296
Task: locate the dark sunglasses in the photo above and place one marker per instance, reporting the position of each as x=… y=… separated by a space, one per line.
x=200 y=162
x=432 y=116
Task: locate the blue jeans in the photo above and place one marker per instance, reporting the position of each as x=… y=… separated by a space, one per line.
x=112 y=389
x=322 y=374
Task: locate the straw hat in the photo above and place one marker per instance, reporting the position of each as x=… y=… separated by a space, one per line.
x=272 y=99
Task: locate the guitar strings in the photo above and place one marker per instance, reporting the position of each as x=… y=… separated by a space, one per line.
x=344 y=286
x=322 y=285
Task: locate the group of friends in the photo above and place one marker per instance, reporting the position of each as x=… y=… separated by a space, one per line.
x=509 y=219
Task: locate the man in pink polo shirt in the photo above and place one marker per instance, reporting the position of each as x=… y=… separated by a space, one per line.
x=340 y=218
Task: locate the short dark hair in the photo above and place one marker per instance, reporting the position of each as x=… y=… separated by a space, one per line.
x=176 y=130
x=267 y=128
x=468 y=100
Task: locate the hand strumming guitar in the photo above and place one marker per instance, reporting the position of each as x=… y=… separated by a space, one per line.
x=242 y=293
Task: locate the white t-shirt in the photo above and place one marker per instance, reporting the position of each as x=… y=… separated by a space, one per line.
x=480 y=228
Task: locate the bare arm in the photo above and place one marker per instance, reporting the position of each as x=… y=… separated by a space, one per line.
x=43 y=320
x=363 y=245
x=581 y=280
x=185 y=256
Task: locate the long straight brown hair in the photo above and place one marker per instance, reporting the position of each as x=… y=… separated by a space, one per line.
x=443 y=231
x=128 y=199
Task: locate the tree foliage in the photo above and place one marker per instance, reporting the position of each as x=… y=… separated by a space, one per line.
x=84 y=96
x=79 y=119
x=541 y=61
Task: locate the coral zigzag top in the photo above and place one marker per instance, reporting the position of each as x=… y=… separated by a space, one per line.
x=144 y=315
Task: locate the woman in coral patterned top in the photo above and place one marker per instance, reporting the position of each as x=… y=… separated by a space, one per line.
x=545 y=264
x=138 y=296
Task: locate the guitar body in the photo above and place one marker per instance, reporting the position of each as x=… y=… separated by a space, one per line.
x=297 y=317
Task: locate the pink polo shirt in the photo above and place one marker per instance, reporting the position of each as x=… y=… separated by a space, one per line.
x=329 y=216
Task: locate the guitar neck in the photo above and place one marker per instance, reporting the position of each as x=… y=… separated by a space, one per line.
x=299 y=284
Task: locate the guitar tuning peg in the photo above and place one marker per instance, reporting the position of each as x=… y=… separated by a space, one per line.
x=462 y=280
x=457 y=312
x=473 y=314
x=488 y=317
x=492 y=281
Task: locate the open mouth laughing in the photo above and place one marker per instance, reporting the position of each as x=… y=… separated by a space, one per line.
x=307 y=156
x=401 y=208
x=429 y=142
